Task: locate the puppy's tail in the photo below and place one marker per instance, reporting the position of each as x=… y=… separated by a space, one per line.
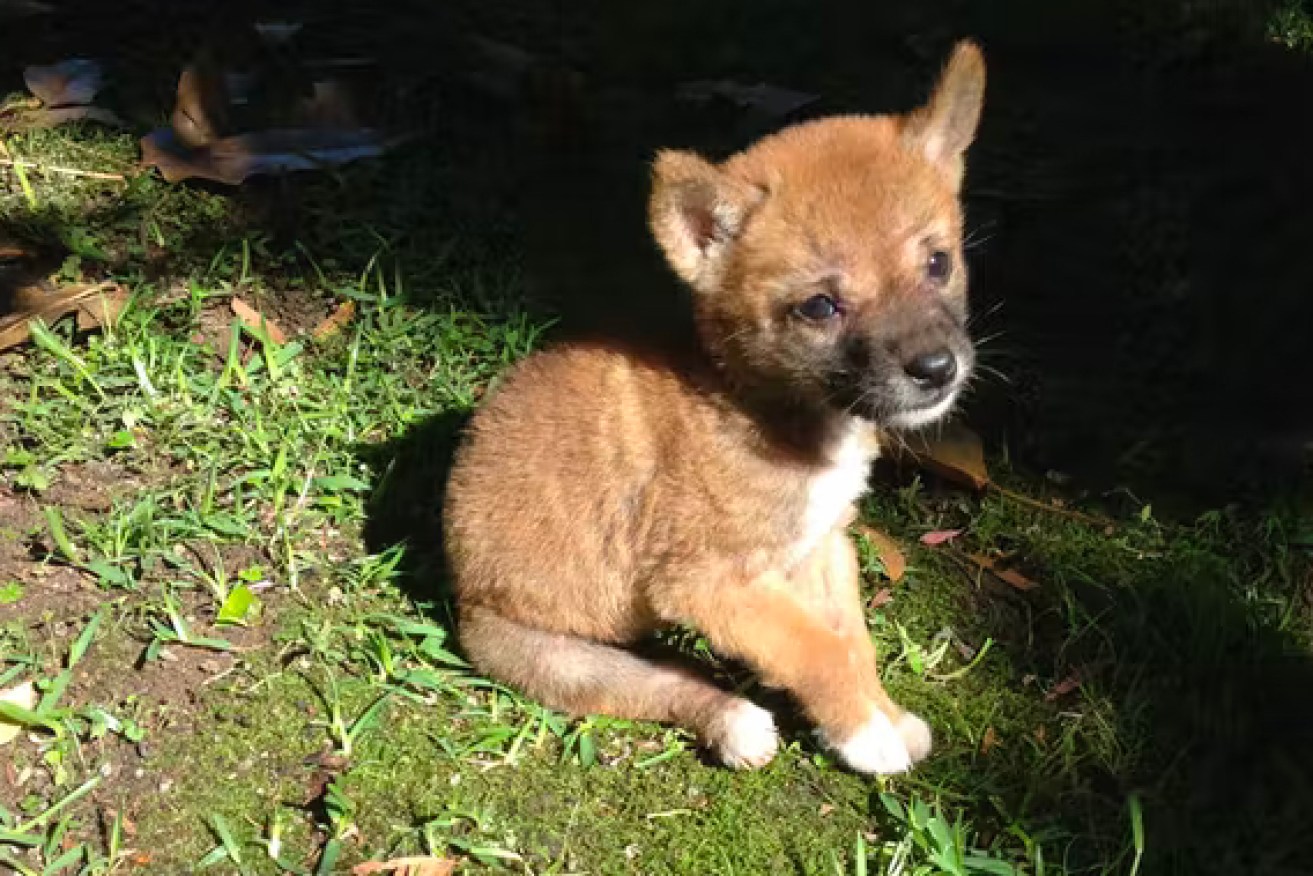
x=580 y=676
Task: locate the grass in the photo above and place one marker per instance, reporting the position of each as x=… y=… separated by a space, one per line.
x=218 y=566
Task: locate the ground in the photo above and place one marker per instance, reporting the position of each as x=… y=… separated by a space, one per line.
x=219 y=553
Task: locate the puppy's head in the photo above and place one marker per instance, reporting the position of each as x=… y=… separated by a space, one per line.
x=826 y=260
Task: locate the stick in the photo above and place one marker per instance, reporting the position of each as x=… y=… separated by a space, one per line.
x=1045 y=506
x=68 y=171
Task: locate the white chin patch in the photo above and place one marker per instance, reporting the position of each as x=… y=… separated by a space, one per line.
x=923 y=416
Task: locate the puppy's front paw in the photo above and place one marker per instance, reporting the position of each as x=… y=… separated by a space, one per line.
x=877 y=747
x=915 y=733
x=747 y=737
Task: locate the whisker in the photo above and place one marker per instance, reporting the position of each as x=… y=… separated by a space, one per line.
x=980 y=342
x=993 y=372
x=976 y=318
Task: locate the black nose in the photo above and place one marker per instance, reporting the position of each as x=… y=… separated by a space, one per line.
x=933 y=370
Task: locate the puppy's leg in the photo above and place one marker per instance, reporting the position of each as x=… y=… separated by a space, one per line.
x=807 y=636
x=582 y=677
x=829 y=583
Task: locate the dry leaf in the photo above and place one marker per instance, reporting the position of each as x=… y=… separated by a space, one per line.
x=1064 y=687
x=96 y=306
x=1015 y=578
x=414 y=866
x=74 y=82
x=330 y=761
x=989 y=740
x=955 y=454
x=200 y=107
x=940 y=536
x=12 y=251
x=23 y=696
x=1011 y=577
x=895 y=564
x=253 y=318
x=335 y=321
x=881 y=598
x=231 y=160
x=66 y=90
x=101 y=310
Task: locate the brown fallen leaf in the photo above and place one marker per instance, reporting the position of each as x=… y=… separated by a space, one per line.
x=881 y=598
x=200 y=108
x=895 y=564
x=96 y=305
x=65 y=91
x=955 y=454
x=231 y=160
x=252 y=318
x=74 y=82
x=335 y=321
x=1016 y=579
x=940 y=536
x=101 y=310
x=413 y=866
x=1064 y=687
x=1011 y=577
x=989 y=740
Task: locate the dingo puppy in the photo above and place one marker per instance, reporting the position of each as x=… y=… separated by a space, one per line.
x=602 y=493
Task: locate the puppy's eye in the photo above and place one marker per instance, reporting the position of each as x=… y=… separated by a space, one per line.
x=818 y=308
x=939 y=266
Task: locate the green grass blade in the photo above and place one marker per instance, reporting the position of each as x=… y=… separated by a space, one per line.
x=1137 y=830
x=55 y=520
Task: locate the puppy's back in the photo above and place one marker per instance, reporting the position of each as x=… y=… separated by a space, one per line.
x=544 y=514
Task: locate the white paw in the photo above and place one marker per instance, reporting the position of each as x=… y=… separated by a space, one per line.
x=876 y=748
x=748 y=739
x=916 y=736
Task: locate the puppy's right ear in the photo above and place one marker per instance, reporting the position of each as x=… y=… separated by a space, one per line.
x=696 y=213
x=944 y=128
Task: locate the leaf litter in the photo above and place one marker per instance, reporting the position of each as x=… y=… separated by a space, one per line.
x=67 y=91
x=891 y=556
x=96 y=305
x=411 y=866
x=226 y=128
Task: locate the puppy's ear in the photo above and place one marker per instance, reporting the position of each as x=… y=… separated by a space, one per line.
x=696 y=213
x=944 y=128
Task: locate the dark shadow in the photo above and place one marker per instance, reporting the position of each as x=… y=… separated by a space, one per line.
x=1213 y=726
x=405 y=507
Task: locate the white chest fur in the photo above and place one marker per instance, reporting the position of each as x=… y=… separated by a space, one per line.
x=833 y=490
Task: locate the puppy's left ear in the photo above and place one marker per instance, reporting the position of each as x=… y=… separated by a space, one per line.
x=944 y=128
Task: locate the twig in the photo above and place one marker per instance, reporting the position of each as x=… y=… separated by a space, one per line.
x=68 y=171
x=1102 y=522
